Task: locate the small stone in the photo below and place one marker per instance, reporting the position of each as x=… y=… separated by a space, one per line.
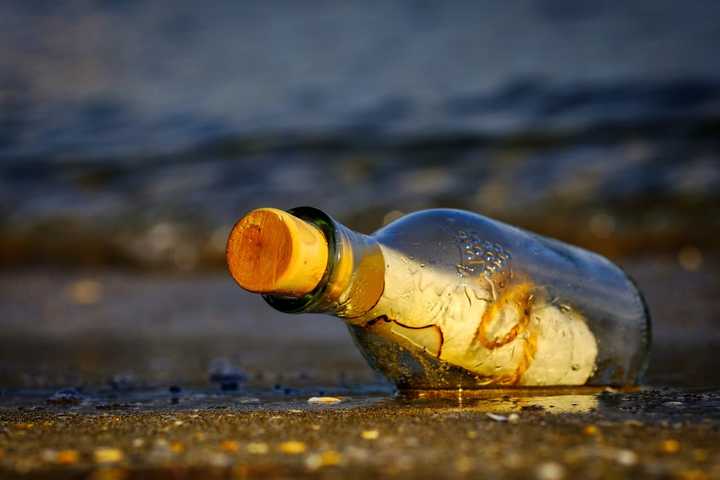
x=670 y=446
x=513 y=418
x=550 y=471
x=292 y=447
x=67 y=457
x=370 y=434
x=257 y=448
x=496 y=417
x=230 y=446
x=591 y=430
x=48 y=455
x=328 y=458
x=177 y=447
x=138 y=442
x=108 y=455
x=219 y=460
x=324 y=400
x=627 y=458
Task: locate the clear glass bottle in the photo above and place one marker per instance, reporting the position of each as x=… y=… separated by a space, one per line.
x=451 y=299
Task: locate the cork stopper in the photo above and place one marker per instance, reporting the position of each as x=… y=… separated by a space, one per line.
x=271 y=251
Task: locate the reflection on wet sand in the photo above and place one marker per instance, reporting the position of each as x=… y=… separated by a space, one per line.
x=548 y=400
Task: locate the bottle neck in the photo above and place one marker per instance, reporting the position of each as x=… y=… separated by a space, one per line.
x=354 y=278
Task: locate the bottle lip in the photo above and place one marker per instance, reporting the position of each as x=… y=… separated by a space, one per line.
x=309 y=301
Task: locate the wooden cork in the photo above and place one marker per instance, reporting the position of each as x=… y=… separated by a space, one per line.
x=271 y=251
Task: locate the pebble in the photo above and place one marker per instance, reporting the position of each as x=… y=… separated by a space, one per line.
x=67 y=457
x=550 y=471
x=324 y=400
x=669 y=446
x=328 y=458
x=230 y=446
x=626 y=458
x=591 y=430
x=370 y=434
x=48 y=455
x=257 y=448
x=512 y=418
x=108 y=455
x=219 y=460
x=292 y=447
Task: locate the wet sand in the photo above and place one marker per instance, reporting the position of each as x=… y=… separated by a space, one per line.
x=113 y=374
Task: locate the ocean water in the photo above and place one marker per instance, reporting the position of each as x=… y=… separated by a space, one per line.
x=139 y=131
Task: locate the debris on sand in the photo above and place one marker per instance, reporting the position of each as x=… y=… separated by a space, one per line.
x=550 y=471
x=512 y=418
x=292 y=447
x=257 y=448
x=230 y=446
x=328 y=458
x=324 y=400
x=108 y=455
x=370 y=434
x=670 y=446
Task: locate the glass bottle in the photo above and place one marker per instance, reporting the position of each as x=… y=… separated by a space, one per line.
x=445 y=298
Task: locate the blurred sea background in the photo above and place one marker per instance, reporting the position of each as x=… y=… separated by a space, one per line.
x=133 y=134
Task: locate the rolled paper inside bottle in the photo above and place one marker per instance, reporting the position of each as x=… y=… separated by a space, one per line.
x=273 y=252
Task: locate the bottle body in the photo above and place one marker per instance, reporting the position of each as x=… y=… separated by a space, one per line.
x=452 y=299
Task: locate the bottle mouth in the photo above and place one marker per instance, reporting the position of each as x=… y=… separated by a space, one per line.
x=311 y=301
